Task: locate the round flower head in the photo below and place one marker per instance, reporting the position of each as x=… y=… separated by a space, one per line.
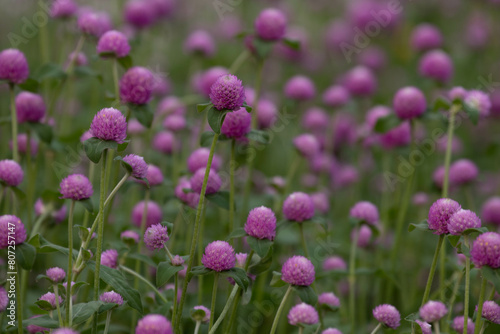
x=171 y=105
x=109 y=124
x=462 y=220
x=140 y=14
x=302 y=314
x=63 y=9
x=94 y=23
x=219 y=256
x=331 y=331
x=485 y=250
x=334 y=263
x=365 y=211
x=34 y=329
x=29 y=107
x=177 y=261
x=315 y=119
x=360 y=81
x=307 y=145
x=298 y=270
x=213 y=184
x=409 y=102
x=433 y=311
x=424 y=326
x=491 y=312
x=199 y=159
x=154 y=324
x=463 y=171
x=65 y=331
x=321 y=202
x=457 y=93
x=136 y=85
x=299 y=88
x=208 y=78
x=156 y=236
x=56 y=274
x=4 y=299
x=76 y=187
x=426 y=36
x=111 y=297
x=78 y=59
x=51 y=299
x=490 y=211
x=189 y=198
x=236 y=124
x=328 y=298
x=130 y=235
x=298 y=207
x=200 y=42
x=113 y=43
x=388 y=315
x=261 y=223
x=154 y=176
x=13 y=66
x=165 y=142
x=270 y=25
x=175 y=122
x=478 y=100
x=22 y=144
x=206 y=318
x=241 y=259
x=363 y=235
x=420 y=199
x=227 y=92
x=436 y=65
x=154 y=214
x=397 y=137
x=440 y=214
x=374 y=58
x=458 y=324
x=109 y=258
x=138 y=165
x=11 y=173
x=6 y=222
x=267 y=114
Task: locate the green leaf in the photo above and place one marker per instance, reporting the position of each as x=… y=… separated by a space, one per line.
x=263 y=48
x=259 y=136
x=472 y=112
x=125 y=62
x=43 y=131
x=123 y=146
x=85 y=71
x=206 y=138
x=475 y=230
x=83 y=232
x=204 y=106
x=306 y=294
x=35 y=241
x=276 y=281
x=95 y=146
x=387 y=123
x=20 y=195
x=31 y=85
x=87 y=204
x=260 y=246
x=294 y=44
x=412 y=317
x=125 y=165
x=247 y=107
x=165 y=272
x=143 y=113
x=42 y=276
x=453 y=239
x=220 y=198
x=239 y=275
x=237 y=233
x=44 y=305
x=106 y=307
x=493 y=276
x=43 y=321
x=49 y=71
x=48 y=247
x=441 y=103
x=200 y=271
x=263 y=265
x=83 y=311
x=25 y=255
x=422 y=226
x=216 y=118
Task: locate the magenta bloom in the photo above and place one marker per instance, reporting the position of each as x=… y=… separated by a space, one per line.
x=436 y=65
x=270 y=25
x=208 y=78
x=227 y=92
x=154 y=176
x=365 y=211
x=65 y=331
x=491 y=312
x=426 y=36
x=63 y=9
x=199 y=159
x=219 y=256
x=433 y=311
x=13 y=66
x=457 y=93
x=298 y=207
x=136 y=85
x=458 y=324
x=315 y=120
x=397 y=137
x=51 y=299
x=200 y=42
x=109 y=124
x=213 y=184
x=485 y=250
x=267 y=113
x=29 y=107
x=79 y=59
x=22 y=144
x=298 y=270
x=328 y=298
x=111 y=297
x=4 y=299
x=154 y=324
x=491 y=211
x=140 y=14
x=302 y=314
x=165 y=142
x=94 y=23
x=463 y=171
x=175 y=122
x=300 y=88
x=261 y=223
x=331 y=331
x=462 y=220
x=307 y=145
x=154 y=214
x=139 y=166
x=156 y=236
x=6 y=222
x=11 y=173
x=334 y=263
x=478 y=100
x=363 y=235
x=236 y=124
x=206 y=318
x=56 y=274
x=32 y=329
x=109 y=258
x=424 y=326
x=189 y=198
x=409 y=102
x=76 y=187
x=360 y=81
x=130 y=235
x=177 y=261
x=440 y=214
x=113 y=43
x=388 y=315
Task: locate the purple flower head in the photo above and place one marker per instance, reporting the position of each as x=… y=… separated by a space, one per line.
x=331 y=331
x=388 y=315
x=56 y=274
x=227 y=92
x=79 y=59
x=153 y=216
x=139 y=13
x=171 y=105
x=51 y=299
x=458 y=324
x=397 y=137
x=111 y=297
x=4 y=299
x=491 y=312
x=85 y=136
x=175 y=122
x=424 y=326
x=189 y=198
x=436 y=65
x=270 y=25
x=154 y=324
x=485 y=250
x=58 y=215
x=29 y=107
x=63 y=9
x=302 y=314
x=163 y=8
x=463 y=171
x=154 y=176
x=109 y=124
x=307 y=145
x=130 y=235
x=136 y=85
x=420 y=199
x=13 y=66
x=334 y=263
x=206 y=318
x=236 y=124
x=328 y=298
x=363 y=234
x=298 y=207
x=32 y=329
x=199 y=159
x=177 y=261
x=409 y=102
x=298 y=270
x=6 y=228
x=300 y=88
x=365 y=211
x=433 y=311
x=315 y=120
x=440 y=214
x=113 y=43
x=109 y=258
x=219 y=256
x=491 y=211
x=200 y=42
x=425 y=37
x=22 y=144
x=213 y=184
x=11 y=173
x=321 y=202
x=76 y=187
x=478 y=100
x=374 y=58
x=156 y=236
x=65 y=331
x=261 y=223
x=94 y=23
x=208 y=78
x=165 y=142
x=241 y=259
x=457 y=93
x=360 y=81
x=462 y=220
x=138 y=165
x=267 y=114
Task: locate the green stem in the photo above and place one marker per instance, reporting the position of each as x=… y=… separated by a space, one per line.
x=176 y=289
x=40 y=220
x=480 y=306
x=225 y=310
x=70 y=263
x=86 y=215
x=143 y=279
x=376 y=328
x=31 y=182
x=115 y=81
x=214 y=297
x=291 y=173
x=13 y=122
x=352 y=280
x=447 y=160
x=232 y=165
x=240 y=60
x=458 y=279
x=170 y=257
x=108 y=320
x=467 y=286
x=301 y=330
x=432 y=270
x=436 y=327
x=303 y=239
x=59 y=316
x=19 y=304
x=280 y=309
x=197 y=327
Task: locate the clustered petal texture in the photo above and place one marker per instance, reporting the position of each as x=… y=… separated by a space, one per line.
x=113 y=42
x=424 y=326
x=270 y=25
x=11 y=173
x=6 y=227
x=261 y=223
x=227 y=92
x=56 y=274
x=302 y=314
x=76 y=187
x=111 y=297
x=236 y=124
x=298 y=207
x=462 y=220
x=206 y=318
x=307 y=145
x=156 y=236
x=109 y=258
x=153 y=216
x=491 y=312
x=136 y=85
x=440 y=214
x=298 y=270
x=51 y=299
x=387 y=315
x=213 y=184
x=485 y=250
x=365 y=211
x=199 y=159
x=139 y=166
x=433 y=311
x=13 y=66
x=458 y=324
x=328 y=298
x=30 y=107
x=409 y=102
x=219 y=256
x=154 y=324
x=109 y=124
x=177 y=261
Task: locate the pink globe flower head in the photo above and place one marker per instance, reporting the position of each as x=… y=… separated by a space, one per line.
x=321 y=202
x=208 y=78
x=76 y=187
x=214 y=182
x=189 y=198
x=165 y=142
x=298 y=270
x=138 y=165
x=491 y=312
x=227 y=92
x=236 y=124
x=219 y=256
x=11 y=173
x=79 y=59
x=139 y=13
x=56 y=274
x=58 y=215
x=343 y=176
x=300 y=88
x=420 y=199
x=33 y=329
x=113 y=43
x=409 y=102
x=109 y=258
x=7 y=224
x=267 y=114
x=261 y=223
x=315 y=120
x=177 y=261
x=175 y=123
x=463 y=171
x=303 y=314
x=425 y=37
x=13 y=66
x=154 y=176
x=136 y=85
x=130 y=236
x=199 y=159
x=299 y=35
x=374 y=114
x=163 y=8
x=204 y=319
x=485 y=250
x=457 y=93
x=241 y=259
x=65 y=331
x=329 y=299
x=363 y=14
x=374 y=58
x=337 y=34
x=388 y=315
x=365 y=211
x=360 y=81
x=436 y=65
x=331 y=330
x=51 y=299
x=85 y=136
x=135 y=127
x=363 y=235
x=458 y=324
x=397 y=137
x=478 y=100
x=154 y=324
x=156 y=236
x=22 y=144
x=438 y=177
x=298 y=207
x=153 y=216
x=490 y=211
x=307 y=145
x=63 y=9
x=4 y=299
x=111 y=297
x=456 y=145
x=94 y=23
x=433 y=311
x=478 y=30
x=109 y=124
x=29 y=107
x=171 y=105
x=440 y=213
x=200 y=42
x=270 y=24
x=425 y=327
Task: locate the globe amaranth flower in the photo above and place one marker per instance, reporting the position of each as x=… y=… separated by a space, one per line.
x=363 y=235
x=190 y=198
x=433 y=311
x=462 y=172
x=111 y=297
x=490 y=212
x=436 y=65
x=440 y=214
x=11 y=173
x=457 y=93
x=9 y=224
x=227 y=92
x=241 y=259
x=478 y=100
x=236 y=124
x=336 y=96
x=139 y=166
x=298 y=207
x=298 y=270
x=154 y=214
x=199 y=159
x=34 y=329
x=219 y=256
x=76 y=187
x=329 y=299
x=175 y=123
x=94 y=23
x=140 y=14
x=154 y=324
x=302 y=314
x=65 y=331
x=56 y=274
x=424 y=326
x=63 y=9
x=261 y=223
x=458 y=324
x=360 y=81
x=165 y=142
x=51 y=299
x=154 y=175
x=267 y=113
x=200 y=42
x=13 y=66
x=29 y=107
x=109 y=124
x=213 y=184
x=409 y=102
x=206 y=317
x=426 y=36
x=491 y=312
x=156 y=236
x=321 y=202
x=300 y=88
x=113 y=43
x=109 y=258
x=463 y=220
x=307 y=145
x=388 y=315
x=270 y=24
x=22 y=145
x=365 y=211
x=334 y=263
x=130 y=235
x=136 y=85
x=485 y=250
x=331 y=331
x=177 y=261
x=4 y=299
x=205 y=80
